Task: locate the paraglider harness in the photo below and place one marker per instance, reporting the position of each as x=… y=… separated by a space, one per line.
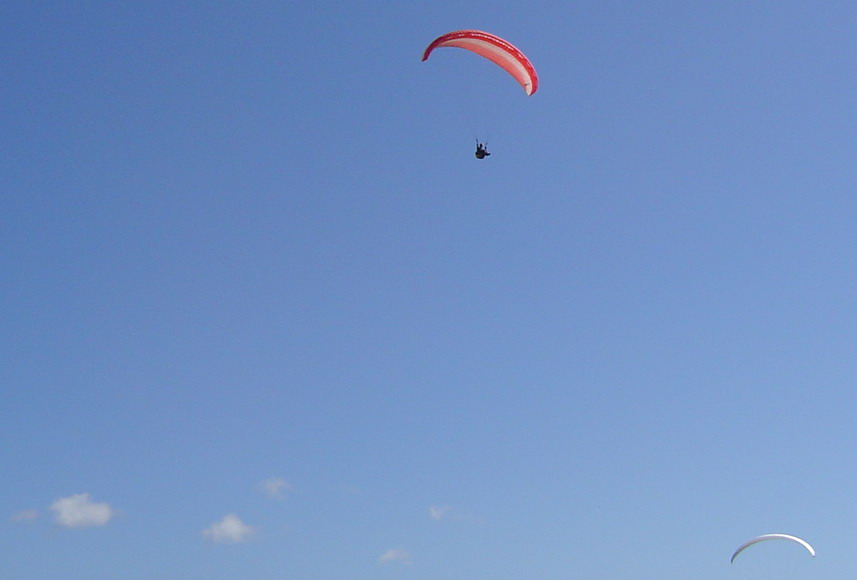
x=481 y=150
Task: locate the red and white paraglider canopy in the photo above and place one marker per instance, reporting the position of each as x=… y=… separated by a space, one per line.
x=496 y=50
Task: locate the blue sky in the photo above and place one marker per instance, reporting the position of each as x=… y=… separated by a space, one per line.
x=265 y=316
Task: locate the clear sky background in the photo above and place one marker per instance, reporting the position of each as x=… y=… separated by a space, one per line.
x=264 y=315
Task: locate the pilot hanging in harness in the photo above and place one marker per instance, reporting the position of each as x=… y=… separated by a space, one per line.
x=481 y=151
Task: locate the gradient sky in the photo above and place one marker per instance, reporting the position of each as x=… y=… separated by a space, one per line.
x=264 y=316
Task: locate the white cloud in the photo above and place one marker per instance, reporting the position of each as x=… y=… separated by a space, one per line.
x=400 y=556
x=275 y=487
x=229 y=530
x=25 y=516
x=79 y=511
x=437 y=512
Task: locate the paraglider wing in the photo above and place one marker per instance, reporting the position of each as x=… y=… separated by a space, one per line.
x=496 y=50
x=765 y=537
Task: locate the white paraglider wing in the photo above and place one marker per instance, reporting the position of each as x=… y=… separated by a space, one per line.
x=765 y=537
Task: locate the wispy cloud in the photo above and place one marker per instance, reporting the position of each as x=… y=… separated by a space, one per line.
x=25 y=516
x=229 y=530
x=79 y=511
x=438 y=512
x=400 y=556
x=275 y=487
x=348 y=489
